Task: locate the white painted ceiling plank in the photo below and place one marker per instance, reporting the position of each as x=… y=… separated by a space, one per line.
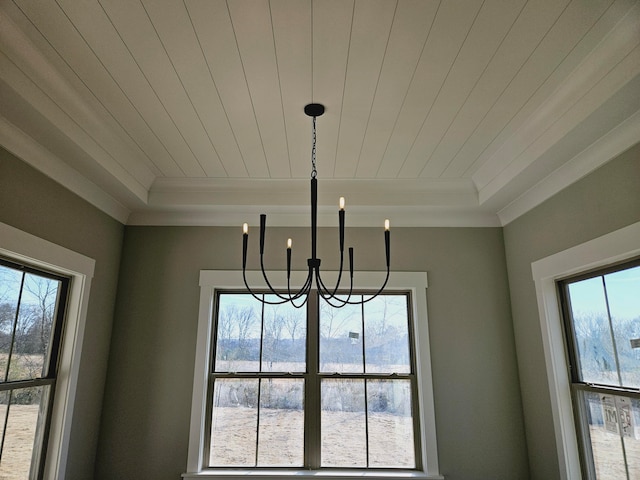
x=556 y=56
x=254 y=33
x=72 y=97
x=292 y=33
x=94 y=160
x=453 y=21
x=98 y=31
x=409 y=32
x=621 y=138
x=174 y=27
x=623 y=72
x=528 y=31
x=598 y=64
x=370 y=32
x=58 y=39
x=487 y=33
x=331 y=32
x=137 y=31
x=294 y=52
x=215 y=32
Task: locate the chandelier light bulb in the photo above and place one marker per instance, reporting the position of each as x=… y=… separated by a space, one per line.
x=341 y=203
x=288 y=243
x=245 y=228
x=386 y=224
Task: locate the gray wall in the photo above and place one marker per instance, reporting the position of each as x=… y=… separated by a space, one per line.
x=146 y=413
x=604 y=201
x=35 y=204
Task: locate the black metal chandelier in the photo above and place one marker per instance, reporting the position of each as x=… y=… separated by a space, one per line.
x=330 y=295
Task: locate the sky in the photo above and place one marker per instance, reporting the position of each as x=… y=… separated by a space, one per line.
x=623 y=292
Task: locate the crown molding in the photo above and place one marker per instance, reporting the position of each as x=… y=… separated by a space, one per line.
x=33 y=77
x=618 y=140
x=26 y=148
x=299 y=216
x=201 y=192
x=607 y=69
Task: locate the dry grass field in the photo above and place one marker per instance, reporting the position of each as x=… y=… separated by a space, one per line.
x=608 y=457
x=283 y=442
x=16 y=455
x=281 y=439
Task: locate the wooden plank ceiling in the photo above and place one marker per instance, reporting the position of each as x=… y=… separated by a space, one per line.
x=442 y=112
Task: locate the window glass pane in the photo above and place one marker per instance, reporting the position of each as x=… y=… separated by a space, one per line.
x=623 y=294
x=343 y=423
x=390 y=424
x=238 y=334
x=10 y=284
x=23 y=406
x=603 y=419
x=34 y=327
x=593 y=335
x=284 y=337
x=387 y=335
x=631 y=437
x=234 y=422
x=341 y=338
x=281 y=426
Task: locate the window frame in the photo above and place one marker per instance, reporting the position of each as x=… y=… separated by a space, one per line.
x=213 y=280
x=313 y=376
x=51 y=364
x=614 y=247
x=22 y=247
x=577 y=384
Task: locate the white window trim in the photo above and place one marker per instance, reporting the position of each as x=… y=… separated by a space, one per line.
x=26 y=248
x=614 y=247
x=210 y=280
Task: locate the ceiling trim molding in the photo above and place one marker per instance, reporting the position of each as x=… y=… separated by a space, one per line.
x=31 y=152
x=298 y=216
x=32 y=76
x=358 y=192
x=596 y=79
x=618 y=140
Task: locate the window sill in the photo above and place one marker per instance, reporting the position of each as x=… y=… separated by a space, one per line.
x=304 y=474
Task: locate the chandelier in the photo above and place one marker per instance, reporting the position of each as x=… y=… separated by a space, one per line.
x=299 y=297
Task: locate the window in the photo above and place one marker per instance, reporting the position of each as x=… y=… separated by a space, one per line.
x=602 y=324
x=282 y=391
x=271 y=363
x=67 y=275
x=31 y=318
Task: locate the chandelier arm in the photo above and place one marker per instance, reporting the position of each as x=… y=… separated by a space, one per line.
x=260 y=297
x=384 y=284
x=306 y=288
x=303 y=292
x=327 y=290
x=387 y=247
x=273 y=290
x=329 y=296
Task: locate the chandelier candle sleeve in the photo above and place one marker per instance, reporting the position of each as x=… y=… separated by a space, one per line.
x=341 y=224
x=263 y=227
x=288 y=259
x=245 y=239
x=387 y=240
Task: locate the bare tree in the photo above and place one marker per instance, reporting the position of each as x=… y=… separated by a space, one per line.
x=45 y=293
x=293 y=321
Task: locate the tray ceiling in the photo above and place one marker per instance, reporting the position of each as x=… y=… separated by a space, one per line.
x=458 y=112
